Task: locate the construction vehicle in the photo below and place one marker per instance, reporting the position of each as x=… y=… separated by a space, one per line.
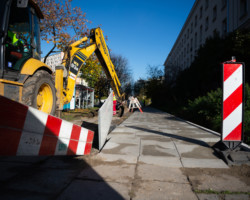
x=24 y=78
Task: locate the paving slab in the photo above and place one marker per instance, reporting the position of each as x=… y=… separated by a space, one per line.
x=44 y=181
x=123 y=139
x=208 y=197
x=203 y=163
x=121 y=148
x=158 y=150
x=161 y=161
x=9 y=170
x=218 y=182
x=199 y=152
x=81 y=189
x=146 y=172
x=148 y=190
x=132 y=159
x=122 y=173
x=237 y=197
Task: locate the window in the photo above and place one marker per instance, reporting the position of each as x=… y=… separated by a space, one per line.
x=206 y=4
x=224 y=27
x=191 y=45
x=223 y=4
x=201 y=10
x=214 y=13
x=215 y=33
x=187 y=33
x=37 y=49
x=195 y=21
x=191 y=29
x=206 y=24
x=195 y=40
x=18 y=48
x=200 y=34
x=243 y=8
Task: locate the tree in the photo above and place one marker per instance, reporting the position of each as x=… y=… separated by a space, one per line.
x=91 y=71
x=154 y=72
x=93 y=74
x=139 y=87
x=123 y=72
x=60 y=18
x=155 y=87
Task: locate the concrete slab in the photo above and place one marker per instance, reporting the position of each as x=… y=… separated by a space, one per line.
x=203 y=163
x=110 y=145
x=24 y=195
x=208 y=197
x=124 y=129
x=163 y=190
x=237 y=197
x=163 y=161
x=166 y=144
x=158 y=173
x=123 y=148
x=45 y=181
x=132 y=159
x=9 y=170
x=156 y=138
x=199 y=152
x=158 y=150
x=219 y=182
x=120 y=173
x=81 y=189
x=121 y=139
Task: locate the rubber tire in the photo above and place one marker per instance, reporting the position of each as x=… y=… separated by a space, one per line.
x=31 y=88
x=120 y=111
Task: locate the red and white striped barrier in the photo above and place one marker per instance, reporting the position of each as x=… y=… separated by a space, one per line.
x=232 y=101
x=27 y=131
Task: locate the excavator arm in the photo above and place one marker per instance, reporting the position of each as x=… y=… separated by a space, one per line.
x=74 y=59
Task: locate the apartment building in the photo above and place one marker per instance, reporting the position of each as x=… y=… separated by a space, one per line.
x=206 y=18
x=54 y=60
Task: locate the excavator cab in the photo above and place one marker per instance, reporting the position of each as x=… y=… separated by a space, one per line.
x=23 y=77
x=20 y=36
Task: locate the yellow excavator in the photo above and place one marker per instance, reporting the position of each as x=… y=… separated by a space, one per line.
x=24 y=78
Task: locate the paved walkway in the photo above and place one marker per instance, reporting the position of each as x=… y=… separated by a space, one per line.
x=151 y=155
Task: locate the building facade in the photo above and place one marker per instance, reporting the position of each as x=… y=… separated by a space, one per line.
x=54 y=60
x=206 y=18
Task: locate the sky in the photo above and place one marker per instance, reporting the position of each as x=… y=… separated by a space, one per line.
x=142 y=31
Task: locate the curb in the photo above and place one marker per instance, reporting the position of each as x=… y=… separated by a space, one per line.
x=26 y=131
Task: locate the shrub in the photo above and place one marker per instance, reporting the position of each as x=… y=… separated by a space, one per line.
x=206 y=111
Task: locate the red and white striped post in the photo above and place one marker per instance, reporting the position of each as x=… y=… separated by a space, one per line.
x=233 y=103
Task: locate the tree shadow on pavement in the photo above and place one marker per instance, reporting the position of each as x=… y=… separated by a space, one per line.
x=54 y=177
x=186 y=139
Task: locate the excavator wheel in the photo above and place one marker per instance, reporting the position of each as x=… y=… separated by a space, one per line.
x=120 y=111
x=39 y=92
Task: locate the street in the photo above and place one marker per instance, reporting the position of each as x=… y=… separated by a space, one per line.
x=150 y=155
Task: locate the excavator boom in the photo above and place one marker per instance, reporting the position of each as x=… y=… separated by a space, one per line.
x=76 y=56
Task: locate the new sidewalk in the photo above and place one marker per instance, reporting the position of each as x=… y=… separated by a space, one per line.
x=153 y=155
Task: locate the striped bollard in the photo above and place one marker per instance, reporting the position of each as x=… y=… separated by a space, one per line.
x=233 y=104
